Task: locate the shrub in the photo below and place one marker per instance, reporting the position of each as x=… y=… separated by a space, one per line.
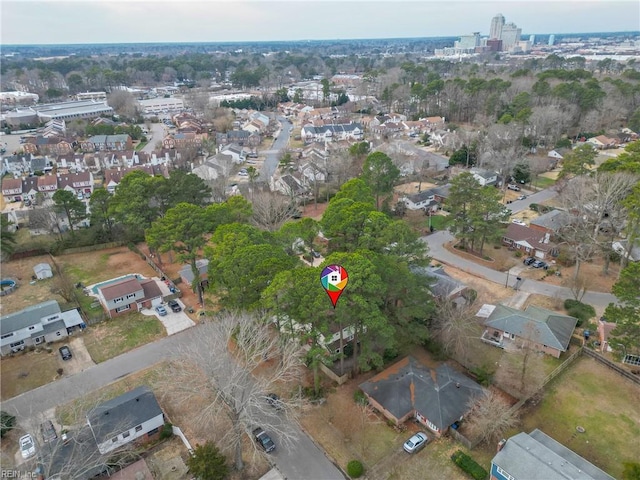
x=483 y=375
x=581 y=311
x=355 y=469
x=359 y=397
x=469 y=465
x=518 y=253
x=167 y=431
x=60 y=371
x=7 y=422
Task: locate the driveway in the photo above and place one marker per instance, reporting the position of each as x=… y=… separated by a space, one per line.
x=173 y=322
x=437 y=240
x=81 y=360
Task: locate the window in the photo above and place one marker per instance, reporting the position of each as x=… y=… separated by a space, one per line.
x=117 y=300
x=138 y=428
x=17 y=344
x=114 y=439
x=131 y=295
x=504 y=474
x=126 y=434
x=123 y=308
x=58 y=334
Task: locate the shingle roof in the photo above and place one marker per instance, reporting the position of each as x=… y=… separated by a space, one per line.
x=535 y=323
x=442 y=394
x=553 y=220
x=120 y=289
x=123 y=413
x=537 y=456
x=444 y=284
x=28 y=316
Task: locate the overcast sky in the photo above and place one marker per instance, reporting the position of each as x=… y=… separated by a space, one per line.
x=127 y=21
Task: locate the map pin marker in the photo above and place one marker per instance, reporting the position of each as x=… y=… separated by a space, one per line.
x=334 y=279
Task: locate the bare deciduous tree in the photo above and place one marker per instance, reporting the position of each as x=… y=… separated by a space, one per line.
x=490 y=416
x=223 y=360
x=271 y=210
x=455 y=328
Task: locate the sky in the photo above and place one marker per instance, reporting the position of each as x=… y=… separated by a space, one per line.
x=133 y=21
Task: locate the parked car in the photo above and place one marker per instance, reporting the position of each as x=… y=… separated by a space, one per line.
x=48 y=431
x=522 y=197
x=174 y=306
x=539 y=264
x=514 y=187
x=264 y=440
x=27 y=446
x=243 y=173
x=315 y=254
x=529 y=260
x=274 y=401
x=517 y=221
x=416 y=443
x=65 y=353
x=161 y=310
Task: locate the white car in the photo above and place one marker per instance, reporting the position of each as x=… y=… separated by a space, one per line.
x=518 y=222
x=416 y=443
x=27 y=446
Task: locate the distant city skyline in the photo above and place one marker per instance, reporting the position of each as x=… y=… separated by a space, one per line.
x=26 y=22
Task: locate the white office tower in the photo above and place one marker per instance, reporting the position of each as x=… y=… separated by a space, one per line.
x=510 y=36
x=497 y=22
x=532 y=40
x=552 y=39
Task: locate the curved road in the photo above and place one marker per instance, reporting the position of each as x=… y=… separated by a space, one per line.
x=437 y=240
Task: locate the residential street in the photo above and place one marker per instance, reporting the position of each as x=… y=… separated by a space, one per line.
x=437 y=251
x=304 y=460
x=273 y=154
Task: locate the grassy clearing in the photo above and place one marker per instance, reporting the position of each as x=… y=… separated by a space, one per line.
x=544 y=182
x=88 y=272
x=113 y=337
x=593 y=397
x=27 y=371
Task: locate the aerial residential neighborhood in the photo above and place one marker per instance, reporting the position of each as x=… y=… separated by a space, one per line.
x=172 y=209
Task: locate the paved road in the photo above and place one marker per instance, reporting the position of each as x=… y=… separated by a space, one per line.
x=303 y=460
x=437 y=251
x=273 y=154
x=156 y=133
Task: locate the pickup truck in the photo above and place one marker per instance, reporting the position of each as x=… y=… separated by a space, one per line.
x=264 y=440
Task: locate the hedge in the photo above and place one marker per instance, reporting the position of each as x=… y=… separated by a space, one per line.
x=581 y=311
x=469 y=465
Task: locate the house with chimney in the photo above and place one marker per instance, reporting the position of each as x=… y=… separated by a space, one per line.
x=530 y=241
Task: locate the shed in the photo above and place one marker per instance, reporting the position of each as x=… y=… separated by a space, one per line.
x=43 y=270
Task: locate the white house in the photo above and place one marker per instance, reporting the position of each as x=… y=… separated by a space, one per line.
x=236 y=152
x=484 y=177
x=124 y=419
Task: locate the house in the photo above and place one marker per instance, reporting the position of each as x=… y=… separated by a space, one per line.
x=48 y=184
x=186 y=273
x=436 y=397
x=537 y=456
x=37 y=325
x=236 y=152
x=532 y=242
x=312 y=173
x=484 y=177
x=444 y=286
x=425 y=200
x=332 y=133
x=214 y=167
x=240 y=137
x=135 y=415
x=12 y=189
x=602 y=142
x=551 y=222
x=77 y=183
x=544 y=330
x=289 y=185
x=107 y=142
x=42 y=271
x=129 y=294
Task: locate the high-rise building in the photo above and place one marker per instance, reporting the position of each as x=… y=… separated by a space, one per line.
x=497 y=22
x=552 y=39
x=510 y=36
x=468 y=42
x=532 y=39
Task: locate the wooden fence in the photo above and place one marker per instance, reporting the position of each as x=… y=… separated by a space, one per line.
x=616 y=368
x=92 y=248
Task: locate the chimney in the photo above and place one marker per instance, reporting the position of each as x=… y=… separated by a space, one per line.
x=501 y=445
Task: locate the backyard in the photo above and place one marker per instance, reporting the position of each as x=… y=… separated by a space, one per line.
x=591 y=396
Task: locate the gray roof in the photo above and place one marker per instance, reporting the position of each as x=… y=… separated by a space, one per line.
x=442 y=394
x=120 y=138
x=420 y=196
x=339 y=128
x=538 y=324
x=553 y=220
x=123 y=413
x=444 y=284
x=28 y=316
x=537 y=456
x=42 y=267
x=187 y=273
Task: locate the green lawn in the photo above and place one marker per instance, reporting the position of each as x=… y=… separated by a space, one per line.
x=589 y=395
x=544 y=182
x=113 y=337
x=140 y=146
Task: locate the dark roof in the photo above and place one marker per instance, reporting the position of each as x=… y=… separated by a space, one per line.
x=28 y=316
x=121 y=288
x=186 y=272
x=150 y=288
x=123 y=413
x=442 y=394
x=537 y=456
x=540 y=325
x=523 y=234
x=420 y=196
x=553 y=220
